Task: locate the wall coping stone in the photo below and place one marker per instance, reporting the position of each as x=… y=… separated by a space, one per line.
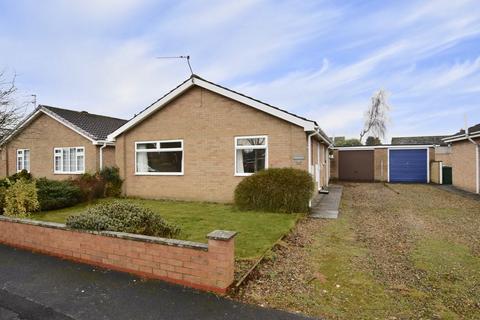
x=121 y=235
x=221 y=235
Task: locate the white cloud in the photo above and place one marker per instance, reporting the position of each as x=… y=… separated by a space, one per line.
x=313 y=58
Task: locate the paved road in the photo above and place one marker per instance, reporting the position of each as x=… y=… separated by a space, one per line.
x=34 y=286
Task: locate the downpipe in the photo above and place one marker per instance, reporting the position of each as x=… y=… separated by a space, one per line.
x=101 y=155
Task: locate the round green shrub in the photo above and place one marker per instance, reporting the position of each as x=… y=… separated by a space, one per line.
x=284 y=190
x=122 y=216
x=21 y=199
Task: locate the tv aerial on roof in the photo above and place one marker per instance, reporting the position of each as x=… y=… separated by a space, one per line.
x=187 y=58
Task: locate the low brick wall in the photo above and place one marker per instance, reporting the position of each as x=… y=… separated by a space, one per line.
x=207 y=267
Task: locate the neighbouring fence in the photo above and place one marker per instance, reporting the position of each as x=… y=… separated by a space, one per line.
x=202 y=266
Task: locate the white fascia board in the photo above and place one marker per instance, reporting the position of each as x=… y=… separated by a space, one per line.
x=103 y=142
x=354 y=148
x=412 y=146
x=307 y=125
x=166 y=99
x=461 y=137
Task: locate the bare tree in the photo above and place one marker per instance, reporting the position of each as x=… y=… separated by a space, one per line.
x=11 y=113
x=376 y=117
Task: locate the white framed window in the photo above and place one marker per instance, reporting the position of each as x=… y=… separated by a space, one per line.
x=164 y=157
x=23 y=160
x=69 y=160
x=251 y=154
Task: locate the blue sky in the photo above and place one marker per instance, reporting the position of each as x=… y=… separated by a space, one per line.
x=320 y=59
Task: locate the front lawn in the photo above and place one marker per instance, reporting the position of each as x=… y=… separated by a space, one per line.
x=257 y=231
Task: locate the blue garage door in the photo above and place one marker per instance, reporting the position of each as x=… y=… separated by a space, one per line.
x=408 y=165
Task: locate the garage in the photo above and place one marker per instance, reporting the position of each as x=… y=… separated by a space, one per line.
x=408 y=165
x=356 y=165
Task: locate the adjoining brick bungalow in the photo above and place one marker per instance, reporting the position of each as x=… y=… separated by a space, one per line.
x=200 y=140
x=59 y=143
x=466 y=159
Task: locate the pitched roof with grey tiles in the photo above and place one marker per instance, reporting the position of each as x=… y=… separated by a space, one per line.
x=423 y=140
x=94 y=125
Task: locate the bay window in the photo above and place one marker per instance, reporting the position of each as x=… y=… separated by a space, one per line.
x=159 y=157
x=251 y=154
x=23 y=160
x=69 y=160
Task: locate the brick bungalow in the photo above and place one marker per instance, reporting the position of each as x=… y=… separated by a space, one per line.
x=465 y=158
x=59 y=143
x=201 y=139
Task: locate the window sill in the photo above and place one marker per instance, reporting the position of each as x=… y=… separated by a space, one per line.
x=60 y=173
x=159 y=173
x=242 y=174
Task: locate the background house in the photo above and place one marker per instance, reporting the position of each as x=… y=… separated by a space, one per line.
x=201 y=139
x=442 y=149
x=59 y=143
x=465 y=158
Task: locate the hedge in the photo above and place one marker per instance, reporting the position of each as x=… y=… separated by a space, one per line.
x=284 y=190
x=53 y=194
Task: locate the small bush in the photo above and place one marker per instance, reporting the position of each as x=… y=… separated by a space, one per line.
x=21 y=198
x=123 y=216
x=54 y=194
x=3 y=191
x=8 y=181
x=275 y=190
x=92 y=186
x=112 y=180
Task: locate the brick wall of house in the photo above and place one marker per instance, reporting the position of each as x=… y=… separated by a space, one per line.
x=207 y=267
x=108 y=156
x=463 y=165
x=41 y=137
x=207 y=123
x=444 y=154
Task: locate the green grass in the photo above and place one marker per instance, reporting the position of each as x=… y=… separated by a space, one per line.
x=257 y=231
